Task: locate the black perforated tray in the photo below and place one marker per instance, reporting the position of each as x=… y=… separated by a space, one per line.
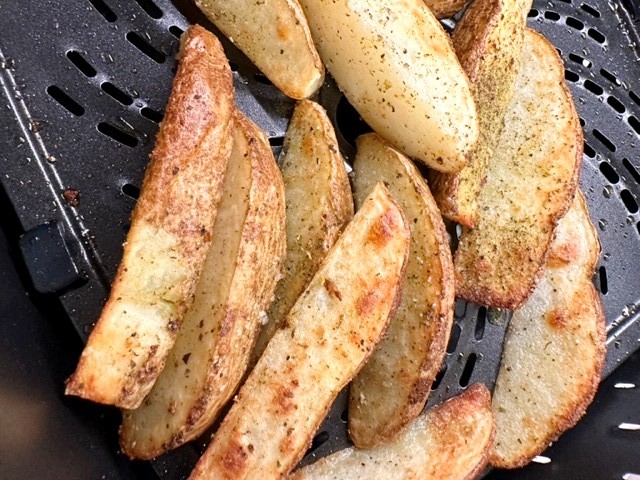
x=85 y=85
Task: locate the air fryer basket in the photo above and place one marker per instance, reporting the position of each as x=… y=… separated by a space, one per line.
x=85 y=85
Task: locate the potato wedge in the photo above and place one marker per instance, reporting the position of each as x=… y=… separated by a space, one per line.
x=488 y=41
x=396 y=66
x=392 y=388
x=170 y=233
x=329 y=333
x=318 y=205
x=450 y=441
x=554 y=348
x=213 y=347
x=275 y=36
x=445 y=8
x=531 y=182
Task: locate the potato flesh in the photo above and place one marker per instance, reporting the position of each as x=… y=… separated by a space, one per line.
x=531 y=181
x=450 y=441
x=169 y=236
x=395 y=64
x=392 y=388
x=318 y=206
x=554 y=348
x=275 y=36
x=329 y=333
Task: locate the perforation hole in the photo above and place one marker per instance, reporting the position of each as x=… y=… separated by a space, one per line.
x=151 y=114
x=634 y=97
x=320 y=439
x=438 y=380
x=596 y=35
x=104 y=10
x=590 y=10
x=176 y=31
x=574 y=23
x=453 y=338
x=344 y=416
x=468 y=370
x=276 y=141
x=533 y=13
x=570 y=76
x=580 y=60
x=81 y=64
x=130 y=190
x=609 y=173
x=629 y=201
x=634 y=123
x=480 y=323
x=616 y=104
x=631 y=169
x=261 y=78
x=589 y=151
x=610 y=76
x=150 y=8
x=582 y=122
x=115 y=93
x=593 y=87
x=145 y=47
x=65 y=100
x=604 y=140
x=118 y=135
x=552 y=16
x=604 y=282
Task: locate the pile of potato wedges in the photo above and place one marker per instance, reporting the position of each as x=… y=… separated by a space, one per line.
x=250 y=293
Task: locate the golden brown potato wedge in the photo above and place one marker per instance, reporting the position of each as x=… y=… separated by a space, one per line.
x=213 y=347
x=275 y=36
x=488 y=41
x=531 y=181
x=329 y=333
x=392 y=388
x=445 y=8
x=450 y=441
x=318 y=204
x=396 y=66
x=170 y=233
x=554 y=348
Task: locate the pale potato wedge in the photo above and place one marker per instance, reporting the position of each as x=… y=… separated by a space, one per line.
x=554 y=348
x=170 y=233
x=531 y=181
x=392 y=388
x=396 y=66
x=329 y=333
x=445 y=8
x=275 y=36
x=213 y=347
x=488 y=41
x=450 y=441
x=318 y=205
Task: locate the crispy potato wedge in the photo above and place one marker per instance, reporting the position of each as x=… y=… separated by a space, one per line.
x=275 y=36
x=318 y=204
x=531 y=181
x=450 y=441
x=488 y=41
x=329 y=333
x=445 y=8
x=396 y=66
x=213 y=347
x=554 y=348
x=392 y=388
x=170 y=233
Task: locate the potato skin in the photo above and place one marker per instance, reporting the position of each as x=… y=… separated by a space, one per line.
x=212 y=351
x=170 y=233
x=396 y=66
